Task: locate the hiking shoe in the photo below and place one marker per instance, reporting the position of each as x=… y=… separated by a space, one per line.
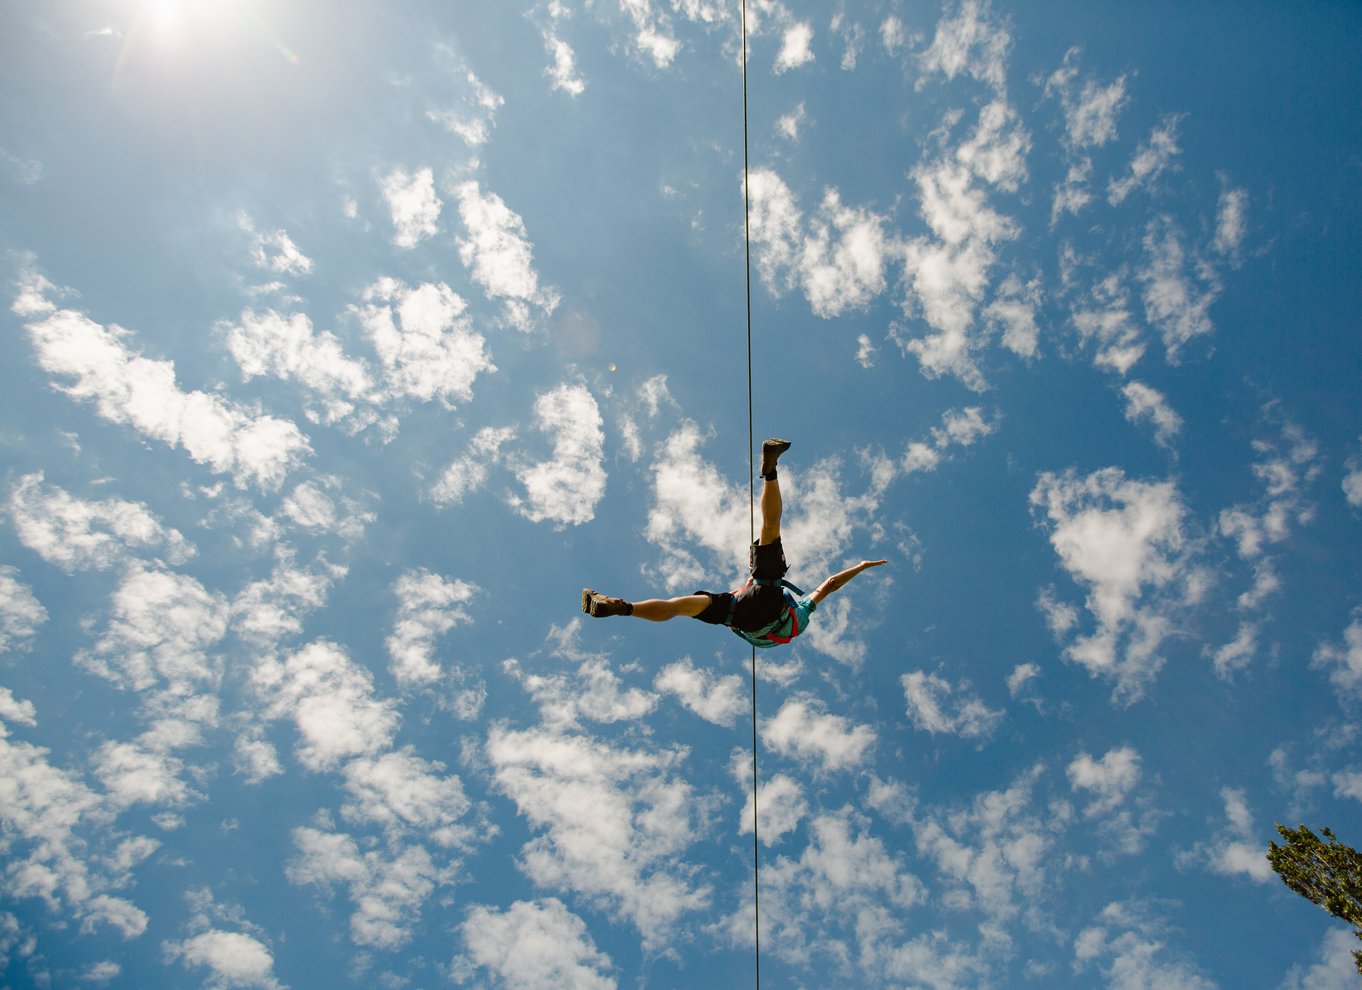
x=599 y=606
x=770 y=452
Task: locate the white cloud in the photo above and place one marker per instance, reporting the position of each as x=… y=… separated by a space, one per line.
x=893 y=34
x=428 y=606
x=468 y=473
x=132 y=390
x=795 y=47
x=1352 y=482
x=1131 y=948
x=135 y=773
x=563 y=72
x=652 y=32
x=841 y=899
x=21 y=614
x=866 y=351
x=1336 y=969
x=959 y=428
x=1104 y=319
x=995 y=854
x=935 y=705
x=42 y=807
x=267 y=610
x=1151 y=160
x=566 y=489
x=387 y=891
x=996 y=151
x=969 y=42
x=255 y=759
x=1343 y=660
x=1109 y=780
x=1124 y=541
x=79 y=534
x=330 y=699
x=593 y=692
x=275 y=251
x=1147 y=404
x=1237 y=653
x=535 y=944
x=1176 y=302
x=160 y=632
x=715 y=699
x=473 y=126
x=1236 y=849
x=234 y=959
x=414 y=206
x=838 y=258
x=788 y=125
x=1231 y=221
x=780 y=804
x=424 y=340
x=287 y=348
x=804 y=730
x=499 y=256
x=1090 y=112
x=1022 y=674
x=1286 y=467
x=402 y=792
x=1013 y=311
x=945 y=279
x=611 y=823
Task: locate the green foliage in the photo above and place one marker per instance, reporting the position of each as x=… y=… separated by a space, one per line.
x=1328 y=874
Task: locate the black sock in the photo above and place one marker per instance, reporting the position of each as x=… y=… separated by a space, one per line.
x=769 y=475
x=628 y=608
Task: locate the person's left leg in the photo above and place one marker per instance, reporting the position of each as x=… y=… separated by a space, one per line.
x=771 y=504
x=771 y=508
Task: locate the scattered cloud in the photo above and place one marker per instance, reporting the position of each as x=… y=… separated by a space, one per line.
x=1146 y=404
x=1178 y=292
x=424 y=340
x=21 y=614
x=428 y=606
x=474 y=121
x=533 y=944
x=715 y=699
x=413 y=204
x=1126 y=541
x=565 y=489
x=796 y=47
x=803 y=729
x=1343 y=661
x=331 y=701
x=1236 y=849
x=1151 y=160
x=937 y=706
x=140 y=392
x=1129 y=944
x=611 y=823
x=837 y=257
x=233 y=959
x=1090 y=110
x=959 y=428
x=969 y=41
x=1231 y=221
x=780 y=805
x=499 y=256
x=287 y=348
x=468 y=473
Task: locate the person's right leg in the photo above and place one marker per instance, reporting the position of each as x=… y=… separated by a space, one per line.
x=662 y=609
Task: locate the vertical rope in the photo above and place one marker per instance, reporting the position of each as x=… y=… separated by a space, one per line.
x=751 y=499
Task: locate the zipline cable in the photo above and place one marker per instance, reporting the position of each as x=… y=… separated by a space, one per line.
x=751 y=498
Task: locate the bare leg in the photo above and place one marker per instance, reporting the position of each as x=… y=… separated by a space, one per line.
x=662 y=609
x=771 y=507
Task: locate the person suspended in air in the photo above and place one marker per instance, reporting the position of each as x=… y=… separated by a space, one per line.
x=766 y=611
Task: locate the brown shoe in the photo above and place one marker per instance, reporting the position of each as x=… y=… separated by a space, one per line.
x=600 y=606
x=770 y=452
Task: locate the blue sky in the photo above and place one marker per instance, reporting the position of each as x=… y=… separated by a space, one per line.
x=344 y=344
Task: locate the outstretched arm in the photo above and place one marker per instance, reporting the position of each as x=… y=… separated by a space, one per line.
x=841 y=578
